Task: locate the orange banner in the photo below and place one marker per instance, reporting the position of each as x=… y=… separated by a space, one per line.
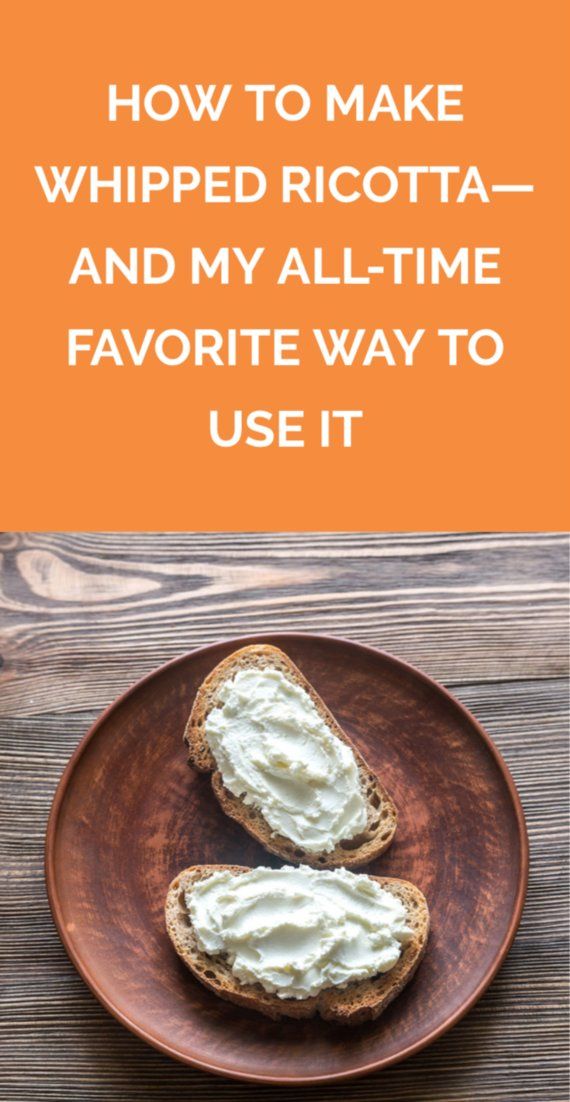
x=173 y=292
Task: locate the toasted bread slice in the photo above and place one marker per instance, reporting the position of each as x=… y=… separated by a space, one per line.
x=381 y=812
x=359 y=1002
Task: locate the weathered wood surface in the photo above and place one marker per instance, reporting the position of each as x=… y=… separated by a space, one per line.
x=83 y=615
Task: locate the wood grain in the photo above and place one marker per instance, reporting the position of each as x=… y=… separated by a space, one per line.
x=83 y=615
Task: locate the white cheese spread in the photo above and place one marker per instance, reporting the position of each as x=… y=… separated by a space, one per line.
x=278 y=755
x=297 y=931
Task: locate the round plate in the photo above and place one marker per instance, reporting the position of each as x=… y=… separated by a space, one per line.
x=129 y=814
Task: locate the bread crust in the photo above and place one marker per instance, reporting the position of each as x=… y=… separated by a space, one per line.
x=381 y=811
x=359 y=1002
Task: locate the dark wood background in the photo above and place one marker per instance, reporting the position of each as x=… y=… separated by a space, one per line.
x=83 y=615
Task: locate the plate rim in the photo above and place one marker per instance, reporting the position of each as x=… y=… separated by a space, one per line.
x=237 y=1074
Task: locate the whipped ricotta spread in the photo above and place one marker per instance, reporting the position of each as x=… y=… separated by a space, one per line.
x=278 y=755
x=298 y=931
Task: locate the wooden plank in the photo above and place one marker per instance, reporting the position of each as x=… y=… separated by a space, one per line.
x=84 y=614
x=63 y=602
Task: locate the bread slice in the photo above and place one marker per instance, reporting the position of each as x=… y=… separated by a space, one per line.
x=359 y=1002
x=382 y=815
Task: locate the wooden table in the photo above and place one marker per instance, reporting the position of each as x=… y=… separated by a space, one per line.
x=83 y=615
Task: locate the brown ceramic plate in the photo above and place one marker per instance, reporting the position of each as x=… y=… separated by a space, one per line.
x=129 y=814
